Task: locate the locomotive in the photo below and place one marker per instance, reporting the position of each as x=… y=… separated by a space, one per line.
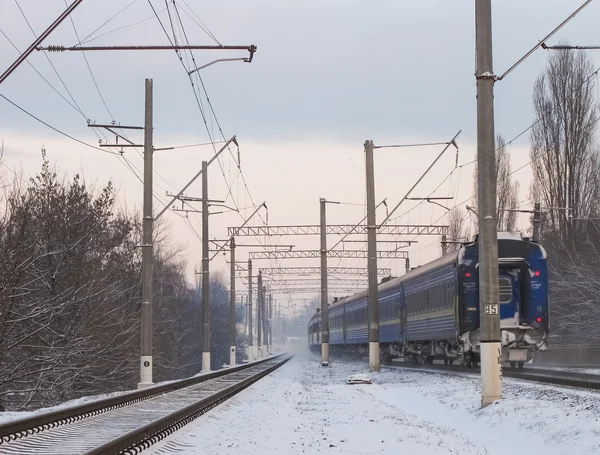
x=432 y=312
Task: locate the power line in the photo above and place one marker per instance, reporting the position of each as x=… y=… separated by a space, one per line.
x=595 y=73
x=56 y=129
x=74 y=106
x=202 y=25
x=217 y=122
x=90 y=69
x=107 y=21
x=200 y=104
x=86 y=40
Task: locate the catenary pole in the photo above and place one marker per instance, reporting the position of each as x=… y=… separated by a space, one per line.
x=270 y=323
x=205 y=274
x=265 y=316
x=232 y=342
x=444 y=244
x=372 y=309
x=491 y=368
x=147 y=250
x=259 y=315
x=324 y=299
x=250 y=332
x=536 y=222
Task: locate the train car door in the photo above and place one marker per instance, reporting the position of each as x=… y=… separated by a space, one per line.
x=509 y=286
x=400 y=304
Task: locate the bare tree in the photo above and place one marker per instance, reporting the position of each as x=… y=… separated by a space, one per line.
x=70 y=295
x=457 y=231
x=564 y=159
x=507 y=190
x=575 y=289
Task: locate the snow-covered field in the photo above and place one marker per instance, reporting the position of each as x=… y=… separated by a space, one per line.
x=304 y=408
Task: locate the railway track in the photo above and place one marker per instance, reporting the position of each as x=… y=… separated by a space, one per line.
x=556 y=377
x=129 y=423
x=563 y=378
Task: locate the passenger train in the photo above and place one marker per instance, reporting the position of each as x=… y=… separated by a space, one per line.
x=432 y=312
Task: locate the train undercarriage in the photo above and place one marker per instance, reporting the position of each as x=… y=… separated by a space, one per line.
x=518 y=345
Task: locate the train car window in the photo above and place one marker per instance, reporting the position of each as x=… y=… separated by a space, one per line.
x=446 y=294
x=506 y=291
x=443 y=295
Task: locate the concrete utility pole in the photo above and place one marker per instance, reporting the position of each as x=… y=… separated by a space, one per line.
x=491 y=368
x=536 y=222
x=205 y=274
x=259 y=315
x=271 y=322
x=251 y=333
x=232 y=342
x=444 y=244
x=324 y=298
x=407 y=265
x=147 y=250
x=372 y=308
x=265 y=315
x=279 y=325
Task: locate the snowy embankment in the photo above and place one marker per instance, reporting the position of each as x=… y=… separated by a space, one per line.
x=306 y=408
x=17 y=415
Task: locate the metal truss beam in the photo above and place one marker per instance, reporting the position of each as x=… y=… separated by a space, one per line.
x=342 y=290
x=313 y=254
x=345 y=291
x=337 y=229
x=317 y=270
x=314 y=282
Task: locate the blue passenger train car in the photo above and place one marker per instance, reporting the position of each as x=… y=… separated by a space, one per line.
x=433 y=311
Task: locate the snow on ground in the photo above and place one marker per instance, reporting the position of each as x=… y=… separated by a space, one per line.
x=303 y=408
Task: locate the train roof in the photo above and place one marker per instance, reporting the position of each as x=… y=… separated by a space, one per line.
x=443 y=261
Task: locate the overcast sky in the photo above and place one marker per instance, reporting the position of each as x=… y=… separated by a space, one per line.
x=328 y=74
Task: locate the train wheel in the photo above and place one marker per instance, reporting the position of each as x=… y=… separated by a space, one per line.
x=521 y=364
x=513 y=364
x=445 y=361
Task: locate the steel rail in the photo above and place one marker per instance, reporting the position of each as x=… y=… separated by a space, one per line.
x=563 y=378
x=17 y=429
x=555 y=377
x=143 y=437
